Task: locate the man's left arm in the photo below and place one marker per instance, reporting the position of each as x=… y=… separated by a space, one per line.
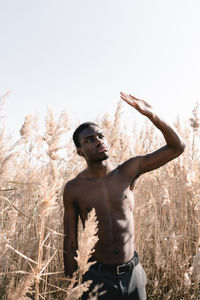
x=174 y=143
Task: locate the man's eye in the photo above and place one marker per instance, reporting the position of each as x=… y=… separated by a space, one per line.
x=89 y=140
x=101 y=136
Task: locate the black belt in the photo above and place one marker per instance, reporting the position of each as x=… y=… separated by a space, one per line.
x=119 y=269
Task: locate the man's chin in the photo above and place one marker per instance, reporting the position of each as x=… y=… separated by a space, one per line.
x=104 y=157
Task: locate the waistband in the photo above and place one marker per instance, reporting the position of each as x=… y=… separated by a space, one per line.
x=119 y=269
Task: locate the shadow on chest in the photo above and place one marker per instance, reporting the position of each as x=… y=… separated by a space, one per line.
x=104 y=196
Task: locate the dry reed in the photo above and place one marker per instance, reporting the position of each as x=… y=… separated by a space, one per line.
x=167 y=205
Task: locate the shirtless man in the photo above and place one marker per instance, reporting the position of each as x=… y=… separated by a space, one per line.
x=108 y=190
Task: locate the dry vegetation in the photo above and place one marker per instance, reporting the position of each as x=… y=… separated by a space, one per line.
x=167 y=206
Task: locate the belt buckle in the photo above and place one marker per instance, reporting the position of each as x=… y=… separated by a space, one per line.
x=118 y=269
x=124 y=265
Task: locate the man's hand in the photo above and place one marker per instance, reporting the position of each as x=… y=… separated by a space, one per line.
x=140 y=105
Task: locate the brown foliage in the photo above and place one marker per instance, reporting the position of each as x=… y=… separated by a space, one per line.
x=167 y=206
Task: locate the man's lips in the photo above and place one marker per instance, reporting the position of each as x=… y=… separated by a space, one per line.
x=102 y=149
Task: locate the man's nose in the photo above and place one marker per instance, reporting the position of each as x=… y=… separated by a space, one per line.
x=98 y=141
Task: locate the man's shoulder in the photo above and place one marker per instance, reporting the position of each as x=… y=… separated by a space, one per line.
x=69 y=191
x=72 y=184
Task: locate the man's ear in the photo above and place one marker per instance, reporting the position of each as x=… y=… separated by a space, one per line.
x=79 y=151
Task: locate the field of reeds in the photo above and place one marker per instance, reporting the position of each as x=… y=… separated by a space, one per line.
x=33 y=171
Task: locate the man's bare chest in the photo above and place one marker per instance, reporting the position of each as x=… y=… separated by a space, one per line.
x=106 y=196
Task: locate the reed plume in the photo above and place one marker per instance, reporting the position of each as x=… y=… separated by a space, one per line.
x=167 y=208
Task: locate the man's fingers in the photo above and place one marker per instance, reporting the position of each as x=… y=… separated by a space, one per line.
x=124 y=94
x=146 y=103
x=134 y=97
x=130 y=101
x=130 y=97
x=127 y=99
x=140 y=105
x=133 y=101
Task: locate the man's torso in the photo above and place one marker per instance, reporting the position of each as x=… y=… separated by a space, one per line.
x=113 y=202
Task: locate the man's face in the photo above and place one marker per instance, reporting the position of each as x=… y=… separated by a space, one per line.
x=93 y=144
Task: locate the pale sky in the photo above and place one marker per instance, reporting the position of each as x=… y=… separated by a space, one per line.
x=78 y=55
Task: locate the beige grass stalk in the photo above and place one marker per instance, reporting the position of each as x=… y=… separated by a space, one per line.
x=2 y=102
x=196 y=267
x=54 y=133
x=22 y=289
x=195 y=124
x=27 y=129
x=87 y=240
x=167 y=209
x=40 y=259
x=47 y=204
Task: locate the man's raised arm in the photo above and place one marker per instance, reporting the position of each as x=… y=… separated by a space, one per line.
x=70 y=223
x=173 y=148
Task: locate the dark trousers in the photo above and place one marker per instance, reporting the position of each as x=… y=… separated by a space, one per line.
x=110 y=285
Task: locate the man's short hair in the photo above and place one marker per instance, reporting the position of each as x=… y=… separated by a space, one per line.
x=78 y=131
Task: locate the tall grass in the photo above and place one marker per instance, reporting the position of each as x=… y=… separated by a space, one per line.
x=33 y=171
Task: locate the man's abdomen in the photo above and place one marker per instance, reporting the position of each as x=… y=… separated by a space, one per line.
x=116 y=238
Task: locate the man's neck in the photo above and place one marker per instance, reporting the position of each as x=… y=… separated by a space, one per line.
x=98 y=169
